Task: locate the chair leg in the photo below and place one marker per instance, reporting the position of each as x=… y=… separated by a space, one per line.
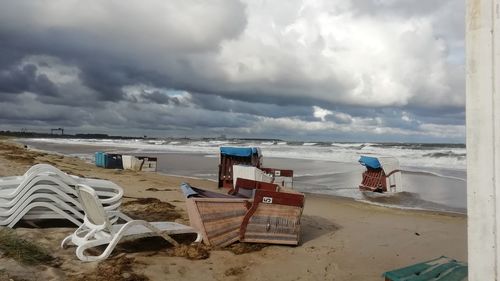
x=80 y=250
x=80 y=253
x=199 y=237
x=65 y=241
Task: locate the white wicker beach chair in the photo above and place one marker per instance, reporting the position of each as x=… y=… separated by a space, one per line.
x=98 y=230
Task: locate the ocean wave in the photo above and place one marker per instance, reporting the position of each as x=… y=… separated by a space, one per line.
x=431 y=173
x=405 y=200
x=451 y=156
x=445 y=154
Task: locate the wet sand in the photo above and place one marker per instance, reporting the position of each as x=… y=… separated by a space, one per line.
x=341 y=239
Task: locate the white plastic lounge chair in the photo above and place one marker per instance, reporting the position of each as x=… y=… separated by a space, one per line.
x=111 y=200
x=38 y=169
x=12 y=210
x=45 y=184
x=53 y=173
x=109 y=194
x=98 y=230
x=38 y=210
x=39 y=197
x=10 y=202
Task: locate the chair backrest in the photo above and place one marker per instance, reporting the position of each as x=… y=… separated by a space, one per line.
x=246 y=188
x=374 y=178
x=94 y=211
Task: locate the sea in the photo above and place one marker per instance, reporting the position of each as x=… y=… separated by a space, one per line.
x=433 y=177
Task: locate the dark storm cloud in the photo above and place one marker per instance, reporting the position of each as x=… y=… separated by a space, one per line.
x=161 y=98
x=120 y=53
x=274 y=109
x=13 y=80
x=233 y=67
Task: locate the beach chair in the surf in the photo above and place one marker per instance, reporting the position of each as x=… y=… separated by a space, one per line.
x=439 y=269
x=382 y=174
x=98 y=230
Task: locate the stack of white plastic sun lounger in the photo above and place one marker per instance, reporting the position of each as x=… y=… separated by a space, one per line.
x=45 y=192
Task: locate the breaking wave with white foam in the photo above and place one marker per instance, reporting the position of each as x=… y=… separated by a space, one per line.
x=441 y=156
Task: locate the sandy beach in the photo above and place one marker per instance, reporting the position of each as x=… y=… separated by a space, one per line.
x=341 y=239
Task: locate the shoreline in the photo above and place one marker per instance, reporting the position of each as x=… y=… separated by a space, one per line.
x=435 y=190
x=127 y=147
x=382 y=206
x=361 y=201
x=342 y=239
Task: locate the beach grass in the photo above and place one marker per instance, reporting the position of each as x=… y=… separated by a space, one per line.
x=22 y=250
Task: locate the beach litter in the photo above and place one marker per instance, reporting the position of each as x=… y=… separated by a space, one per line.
x=192 y=252
x=150 y=209
x=119 y=268
x=245 y=248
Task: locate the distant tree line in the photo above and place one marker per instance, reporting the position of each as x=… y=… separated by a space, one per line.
x=26 y=134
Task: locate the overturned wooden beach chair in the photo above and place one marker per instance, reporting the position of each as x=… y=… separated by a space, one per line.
x=98 y=230
x=251 y=214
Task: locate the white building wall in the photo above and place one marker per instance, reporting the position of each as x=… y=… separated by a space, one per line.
x=483 y=138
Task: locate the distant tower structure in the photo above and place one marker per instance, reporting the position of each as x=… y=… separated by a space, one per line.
x=56 y=130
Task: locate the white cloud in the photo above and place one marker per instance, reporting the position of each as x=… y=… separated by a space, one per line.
x=321 y=113
x=336 y=55
x=405 y=117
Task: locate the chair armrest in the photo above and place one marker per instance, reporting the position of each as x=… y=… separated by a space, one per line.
x=119 y=215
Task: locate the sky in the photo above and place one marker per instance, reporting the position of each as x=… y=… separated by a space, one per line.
x=332 y=70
